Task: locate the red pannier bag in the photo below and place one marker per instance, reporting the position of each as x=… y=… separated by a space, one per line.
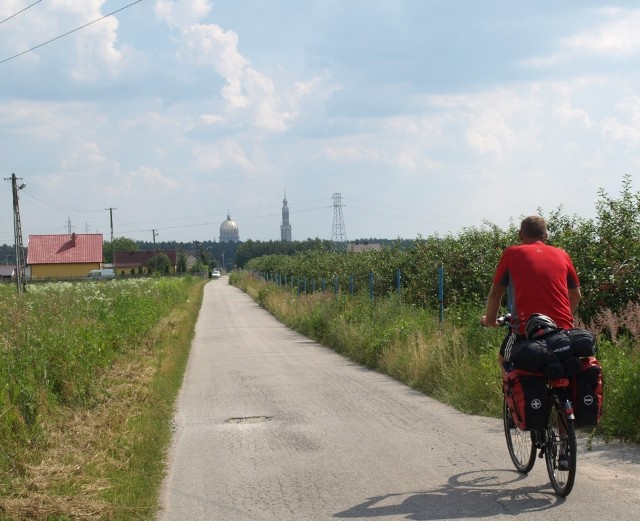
x=587 y=392
x=526 y=395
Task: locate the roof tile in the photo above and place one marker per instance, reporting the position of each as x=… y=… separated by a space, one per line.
x=67 y=248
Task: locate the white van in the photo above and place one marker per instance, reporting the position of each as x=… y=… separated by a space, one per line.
x=102 y=274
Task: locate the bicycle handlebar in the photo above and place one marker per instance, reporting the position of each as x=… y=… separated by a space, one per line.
x=504 y=320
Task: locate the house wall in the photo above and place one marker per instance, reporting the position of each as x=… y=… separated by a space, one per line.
x=125 y=271
x=62 y=271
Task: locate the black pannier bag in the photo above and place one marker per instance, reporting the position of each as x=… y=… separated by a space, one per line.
x=534 y=355
x=587 y=393
x=582 y=342
x=530 y=355
x=526 y=396
x=559 y=343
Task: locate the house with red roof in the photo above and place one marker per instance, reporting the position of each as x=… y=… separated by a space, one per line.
x=137 y=262
x=65 y=256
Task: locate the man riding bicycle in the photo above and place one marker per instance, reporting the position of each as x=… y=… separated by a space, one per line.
x=538 y=278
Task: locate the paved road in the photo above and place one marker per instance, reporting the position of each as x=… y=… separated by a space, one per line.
x=271 y=426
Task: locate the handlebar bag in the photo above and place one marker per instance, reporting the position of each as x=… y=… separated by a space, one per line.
x=587 y=393
x=526 y=395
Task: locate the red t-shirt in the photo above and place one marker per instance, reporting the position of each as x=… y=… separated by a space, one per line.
x=537 y=277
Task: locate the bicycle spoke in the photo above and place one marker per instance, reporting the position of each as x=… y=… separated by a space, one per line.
x=519 y=443
x=560 y=452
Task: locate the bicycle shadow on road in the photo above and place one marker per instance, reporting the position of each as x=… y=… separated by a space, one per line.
x=479 y=494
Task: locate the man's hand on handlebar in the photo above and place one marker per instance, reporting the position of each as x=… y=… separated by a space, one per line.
x=498 y=322
x=483 y=321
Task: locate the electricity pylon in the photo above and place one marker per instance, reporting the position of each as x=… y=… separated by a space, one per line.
x=338 y=233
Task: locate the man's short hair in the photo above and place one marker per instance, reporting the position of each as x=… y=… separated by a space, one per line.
x=534 y=227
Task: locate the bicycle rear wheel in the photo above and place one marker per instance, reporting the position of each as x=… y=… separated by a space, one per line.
x=520 y=443
x=560 y=451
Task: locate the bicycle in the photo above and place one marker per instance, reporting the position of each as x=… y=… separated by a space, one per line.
x=556 y=441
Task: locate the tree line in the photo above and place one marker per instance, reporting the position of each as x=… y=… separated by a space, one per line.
x=605 y=250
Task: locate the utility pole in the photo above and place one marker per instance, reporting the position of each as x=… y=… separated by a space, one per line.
x=155 y=232
x=21 y=280
x=111 y=220
x=113 y=253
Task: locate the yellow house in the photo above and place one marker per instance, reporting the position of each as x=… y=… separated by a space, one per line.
x=65 y=256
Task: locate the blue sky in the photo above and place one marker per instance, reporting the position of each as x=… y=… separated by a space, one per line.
x=427 y=116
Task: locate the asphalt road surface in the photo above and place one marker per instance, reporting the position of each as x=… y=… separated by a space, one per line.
x=272 y=426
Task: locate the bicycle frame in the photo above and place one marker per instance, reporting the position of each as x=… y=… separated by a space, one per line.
x=559 y=393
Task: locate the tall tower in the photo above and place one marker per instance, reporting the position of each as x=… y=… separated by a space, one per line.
x=338 y=233
x=285 y=227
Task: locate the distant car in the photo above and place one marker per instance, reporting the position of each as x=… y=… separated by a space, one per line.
x=108 y=273
x=215 y=274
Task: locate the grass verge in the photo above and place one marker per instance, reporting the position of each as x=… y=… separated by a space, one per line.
x=106 y=461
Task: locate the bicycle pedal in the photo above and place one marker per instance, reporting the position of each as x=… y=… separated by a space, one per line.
x=563 y=464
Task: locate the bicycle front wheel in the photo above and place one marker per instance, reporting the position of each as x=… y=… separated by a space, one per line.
x=520 y=443
x=560 y=451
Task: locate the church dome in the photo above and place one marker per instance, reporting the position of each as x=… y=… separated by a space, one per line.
x=229 y=231
x=229 y=226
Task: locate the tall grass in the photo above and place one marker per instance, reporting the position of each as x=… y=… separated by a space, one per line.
x=55 y=342
x=455 y=361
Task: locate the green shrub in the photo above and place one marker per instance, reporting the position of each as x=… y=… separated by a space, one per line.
x=621 y=409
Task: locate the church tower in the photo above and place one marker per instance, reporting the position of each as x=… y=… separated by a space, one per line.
x=285 y=227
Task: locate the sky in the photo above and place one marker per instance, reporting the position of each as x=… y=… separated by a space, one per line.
x=425 y=116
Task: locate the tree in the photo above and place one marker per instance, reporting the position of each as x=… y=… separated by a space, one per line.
x=159 y=264
x=182 y=263
x=119 y=244
x=198 y=267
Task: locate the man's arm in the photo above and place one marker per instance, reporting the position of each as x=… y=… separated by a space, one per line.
x=493 y=305
x=574 y=298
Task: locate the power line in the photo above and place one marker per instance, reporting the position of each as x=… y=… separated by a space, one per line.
x=129 y=225
x=21 y=11
x=402 y=214
x=70 y=32
x=53 y=202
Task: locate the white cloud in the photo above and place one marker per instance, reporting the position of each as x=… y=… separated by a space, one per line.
x=49 y=121
x=488 y=133
x=206 y=157
x=150 y=120
x=153 y=179
x=96 y=52
x=246 y=90
x=182 y=13
x=228 y=153
x=211 y=119
x=614 y=38
x=351 y=153
x=616 y=131
x=86 y=157
x=630 y=107
x=87 y=54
